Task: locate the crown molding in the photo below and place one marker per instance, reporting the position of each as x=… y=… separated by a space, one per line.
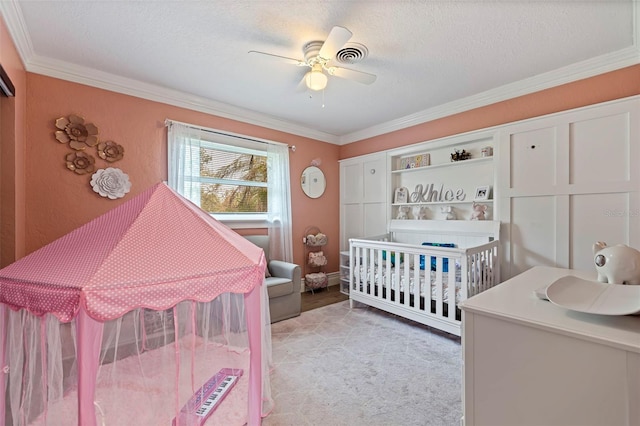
x=578 y=71
x=95 y=78
x=107 y=81
x=91 y=77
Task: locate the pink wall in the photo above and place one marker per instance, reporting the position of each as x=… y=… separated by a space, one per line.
x=12 y=147
x=58 y=200
x=41 y=200
x=605 y=87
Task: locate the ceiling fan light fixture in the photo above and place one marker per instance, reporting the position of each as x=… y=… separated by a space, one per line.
x=316 y=79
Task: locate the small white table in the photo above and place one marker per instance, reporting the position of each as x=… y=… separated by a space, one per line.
x=529 y=362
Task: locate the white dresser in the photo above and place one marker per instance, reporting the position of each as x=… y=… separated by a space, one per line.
x=529 y=362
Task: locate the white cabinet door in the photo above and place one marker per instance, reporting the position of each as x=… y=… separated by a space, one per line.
x=374 y=219
x=351 y=183
x=351 y=223
x=363 y=197
x=374 y=180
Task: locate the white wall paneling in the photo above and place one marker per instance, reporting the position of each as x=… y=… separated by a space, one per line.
x=568 y=180
x=363 y=197
x=560 y=183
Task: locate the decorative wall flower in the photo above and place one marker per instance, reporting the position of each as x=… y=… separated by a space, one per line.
x=80 y=162
x=110 y=182
x=74 y=131
x=110 y=151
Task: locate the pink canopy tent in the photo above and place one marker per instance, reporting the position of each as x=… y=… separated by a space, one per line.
x=154 y=253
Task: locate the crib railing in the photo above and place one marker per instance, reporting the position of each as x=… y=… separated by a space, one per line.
x=423 y=283
x=484 y=268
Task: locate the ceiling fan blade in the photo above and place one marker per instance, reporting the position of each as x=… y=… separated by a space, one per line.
x=338 y=37
x=349 y=74
x=292 y=61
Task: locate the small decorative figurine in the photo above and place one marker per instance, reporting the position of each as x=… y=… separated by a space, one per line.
x=403 y=212
x=460 y=155
x=448 y=212
x=478 y=211
x=421 y=213
x=619 y=264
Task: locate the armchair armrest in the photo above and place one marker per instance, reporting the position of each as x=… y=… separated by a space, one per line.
x=281 y=269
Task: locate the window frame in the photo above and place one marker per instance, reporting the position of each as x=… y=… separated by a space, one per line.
x=220 y=142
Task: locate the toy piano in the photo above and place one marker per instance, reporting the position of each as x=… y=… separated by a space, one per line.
x=206 y=399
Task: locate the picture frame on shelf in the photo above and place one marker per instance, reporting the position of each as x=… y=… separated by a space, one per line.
x=401 y=195
x=414 y=161
x=482 y=193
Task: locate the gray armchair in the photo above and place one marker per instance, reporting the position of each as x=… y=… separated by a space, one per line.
x=284 y=284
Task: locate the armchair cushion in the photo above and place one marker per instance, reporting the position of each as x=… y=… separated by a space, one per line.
x=283 y=281
x=277 y=287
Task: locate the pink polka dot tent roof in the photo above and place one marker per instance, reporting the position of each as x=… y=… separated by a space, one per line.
x=153 y=251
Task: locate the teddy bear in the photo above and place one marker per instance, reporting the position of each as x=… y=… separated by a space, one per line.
x=448 y=212
x=478 y=211
x=403 y=213
x=420 y=213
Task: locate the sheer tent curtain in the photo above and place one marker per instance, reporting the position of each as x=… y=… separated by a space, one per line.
x=184 y=143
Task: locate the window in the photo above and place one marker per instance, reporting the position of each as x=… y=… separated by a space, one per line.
x=241 y=181
x=229 y=179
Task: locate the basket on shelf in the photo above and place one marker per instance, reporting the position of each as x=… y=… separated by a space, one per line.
x=317 y=259
x=315 y=280
x=316 y=240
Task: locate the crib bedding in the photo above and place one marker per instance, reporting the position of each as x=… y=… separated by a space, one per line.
x=412 y=270
x=426 y=288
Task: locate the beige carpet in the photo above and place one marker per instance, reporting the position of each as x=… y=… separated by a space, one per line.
x=336 y=366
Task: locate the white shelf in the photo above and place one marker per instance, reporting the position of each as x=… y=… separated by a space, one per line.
x=442 y=202
x=451 y=164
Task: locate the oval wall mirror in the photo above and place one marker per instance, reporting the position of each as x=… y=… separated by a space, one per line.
x=313 y=182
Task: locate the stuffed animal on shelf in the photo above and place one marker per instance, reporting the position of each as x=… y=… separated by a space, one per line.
x=403 y=212
x=478 y=211
x=420 y=213
x=448 y=212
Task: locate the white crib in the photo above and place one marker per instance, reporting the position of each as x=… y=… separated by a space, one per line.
x=413 y=270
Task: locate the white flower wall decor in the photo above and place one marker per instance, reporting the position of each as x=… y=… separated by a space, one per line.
x=110 y=182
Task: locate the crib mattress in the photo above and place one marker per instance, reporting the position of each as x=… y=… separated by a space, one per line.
x=427 y=288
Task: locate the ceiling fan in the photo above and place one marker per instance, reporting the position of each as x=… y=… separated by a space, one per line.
x=318 y=56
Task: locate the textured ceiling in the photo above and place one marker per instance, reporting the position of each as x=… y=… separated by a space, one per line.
x=430 y=58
